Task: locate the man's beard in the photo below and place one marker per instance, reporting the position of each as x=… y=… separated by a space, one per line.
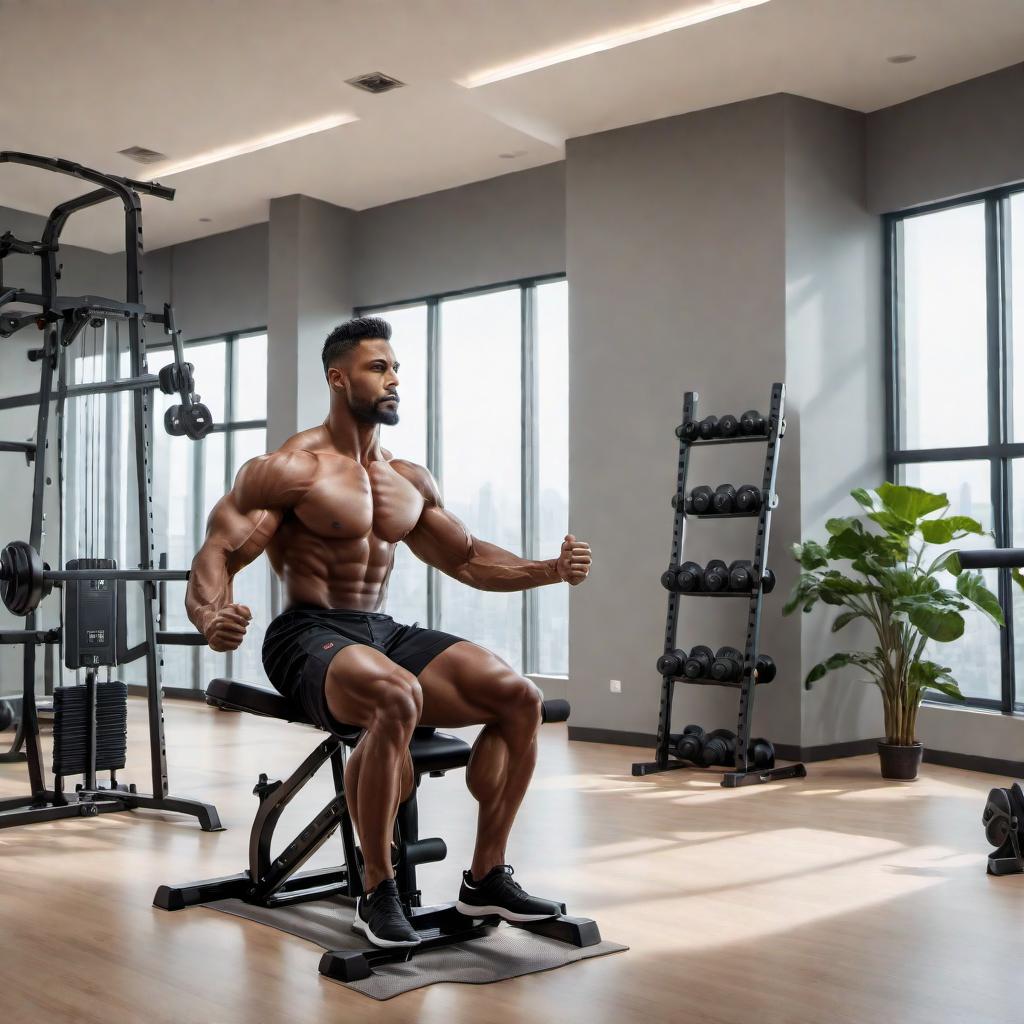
x=375 y=412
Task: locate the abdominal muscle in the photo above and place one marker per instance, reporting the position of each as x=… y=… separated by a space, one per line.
x=347 y=573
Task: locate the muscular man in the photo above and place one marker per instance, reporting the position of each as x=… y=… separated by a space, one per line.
x=329 y=507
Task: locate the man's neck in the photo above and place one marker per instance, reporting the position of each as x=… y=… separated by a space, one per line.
x=359 y=441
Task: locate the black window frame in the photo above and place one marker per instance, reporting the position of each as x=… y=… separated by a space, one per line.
x=529 y=438
x=998 y=451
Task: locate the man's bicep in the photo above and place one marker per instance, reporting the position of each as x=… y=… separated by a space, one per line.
x=238 y=536
x=440 y=539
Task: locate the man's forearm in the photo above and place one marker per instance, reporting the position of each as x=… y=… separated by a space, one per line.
x=209 y=588
x=490 y=567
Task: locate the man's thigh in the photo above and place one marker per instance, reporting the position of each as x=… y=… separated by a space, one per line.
x=468 y=685
x=361 y=681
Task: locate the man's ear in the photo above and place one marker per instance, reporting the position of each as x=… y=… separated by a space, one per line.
x=336 y=378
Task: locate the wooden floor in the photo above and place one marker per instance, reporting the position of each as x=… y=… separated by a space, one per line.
x=837 y=898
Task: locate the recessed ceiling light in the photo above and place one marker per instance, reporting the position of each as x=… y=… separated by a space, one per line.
x=214 y=156
x=690 y=16
x=205 y=220
x=902 y=58
x=513 y=155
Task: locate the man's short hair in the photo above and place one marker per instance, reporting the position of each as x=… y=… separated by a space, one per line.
x=346 y=336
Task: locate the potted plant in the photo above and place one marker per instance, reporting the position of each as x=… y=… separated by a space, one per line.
x=895 y=583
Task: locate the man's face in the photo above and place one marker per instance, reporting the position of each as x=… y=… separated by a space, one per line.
x=369 y=376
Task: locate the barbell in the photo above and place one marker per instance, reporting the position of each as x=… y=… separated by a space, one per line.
x=25 y=579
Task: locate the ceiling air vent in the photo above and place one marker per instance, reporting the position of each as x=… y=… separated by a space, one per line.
x=141 y=155
x=376 y=82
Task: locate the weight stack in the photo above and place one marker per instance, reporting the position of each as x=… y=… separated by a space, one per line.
x=71 y=728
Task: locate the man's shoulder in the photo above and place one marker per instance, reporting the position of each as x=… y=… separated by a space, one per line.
x=419 y=476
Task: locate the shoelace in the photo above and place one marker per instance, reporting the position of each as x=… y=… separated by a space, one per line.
x=507 y=883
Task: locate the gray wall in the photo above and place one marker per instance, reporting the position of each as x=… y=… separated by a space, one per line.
x=310 y=292
x=949 y=143
x=217 y=284
x=834 y=373
x=498 y=230
x=676 y=260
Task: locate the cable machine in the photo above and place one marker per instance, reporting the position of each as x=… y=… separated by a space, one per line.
x=90 y=722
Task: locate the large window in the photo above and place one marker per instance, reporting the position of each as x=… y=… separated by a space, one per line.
x=956 y=398
x=189 y=477
x=484 y=384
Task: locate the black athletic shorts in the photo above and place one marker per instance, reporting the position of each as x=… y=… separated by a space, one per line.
x=300 y=643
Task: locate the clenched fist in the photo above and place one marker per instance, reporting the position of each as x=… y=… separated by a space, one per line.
x=225 y=629
x=574 y=561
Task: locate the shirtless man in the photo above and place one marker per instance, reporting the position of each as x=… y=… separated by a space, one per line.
x=329 y=507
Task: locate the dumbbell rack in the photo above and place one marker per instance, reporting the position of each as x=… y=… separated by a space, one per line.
x=745 y=773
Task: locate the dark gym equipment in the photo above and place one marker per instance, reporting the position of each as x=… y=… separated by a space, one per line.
x=752 y=422
x=757 y=581
x=689 y=745
x=728 y=426
x=698 y=664
x=7 y=716
x=741 y=575
x=708 y=428
x=747 y=499
x=275 y=881
x=719 y=748
x=728 y=664
x=671 y=663
x=761 y=753
x=724 y=500
x=1003 y=819
x=24 y=579
x=700 y=500
x=689 y=577
x=716 y=575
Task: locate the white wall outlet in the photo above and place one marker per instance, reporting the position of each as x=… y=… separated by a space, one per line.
x=615 y=685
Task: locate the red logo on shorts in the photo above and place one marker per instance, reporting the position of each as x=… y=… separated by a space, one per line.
x=328 y=646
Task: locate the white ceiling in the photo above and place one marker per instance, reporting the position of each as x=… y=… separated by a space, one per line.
x=82 y=79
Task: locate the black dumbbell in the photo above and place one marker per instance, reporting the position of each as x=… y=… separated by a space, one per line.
x=719 y=748
x=699 y=501
x=671 y=663
x=741 y=577
x=752 y=422
x=761 y=753
x=698 y=664
x=689 y=577
x=724 y=499
x=688 y=747
x=728 y=665
x=747 y=498
x=716 y=575
x=728 y=426
x=708 y=428
x=765 y=668
x=174 y=382
x=688 y=431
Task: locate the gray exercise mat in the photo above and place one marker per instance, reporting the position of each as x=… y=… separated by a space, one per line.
x=504 y=952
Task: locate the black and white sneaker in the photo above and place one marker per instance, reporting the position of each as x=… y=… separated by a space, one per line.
x=381 y=919
x=498 y=893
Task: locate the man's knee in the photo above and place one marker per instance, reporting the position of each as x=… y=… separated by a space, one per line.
x=523 y=701
x=398 y=699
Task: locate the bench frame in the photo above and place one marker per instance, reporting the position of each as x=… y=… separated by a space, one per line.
x=277 y=881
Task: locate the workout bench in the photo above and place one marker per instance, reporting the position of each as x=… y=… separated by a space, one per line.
x=277 y=881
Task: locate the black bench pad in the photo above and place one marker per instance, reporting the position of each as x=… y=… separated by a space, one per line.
x=431 y=751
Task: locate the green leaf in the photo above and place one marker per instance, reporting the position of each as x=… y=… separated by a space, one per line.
x=942 y=531
x=843 y=523
x=810 y=555
x=927 y=675
x=892 y=523
x=845 y=619
x=815 y=674
x=941 y=624
x=910 y=502
x=864 y=498
x=972 y=586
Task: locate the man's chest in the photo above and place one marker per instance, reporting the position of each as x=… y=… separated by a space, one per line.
x=347 y=501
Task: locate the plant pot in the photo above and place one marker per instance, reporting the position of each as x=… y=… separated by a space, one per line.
x=900 y=762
